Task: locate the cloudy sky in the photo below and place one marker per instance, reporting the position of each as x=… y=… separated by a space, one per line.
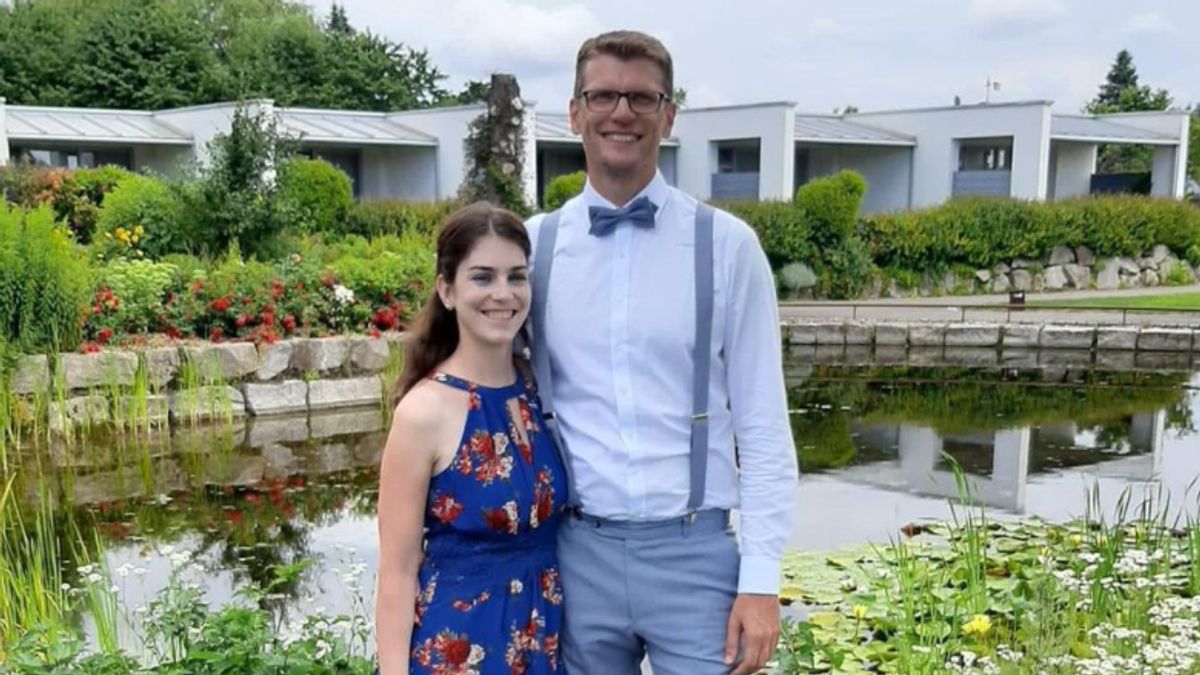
x=874 y=54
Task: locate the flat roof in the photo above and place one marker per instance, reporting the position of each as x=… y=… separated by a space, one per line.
x=90 y=125
x=556 y=128
x=835 y=129
x=1101 y=130
x=349 y=127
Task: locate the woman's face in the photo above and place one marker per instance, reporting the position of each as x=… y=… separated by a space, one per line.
x=490 y=291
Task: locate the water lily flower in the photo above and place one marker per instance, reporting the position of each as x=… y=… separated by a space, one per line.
x=979 y=625
x=859 y=611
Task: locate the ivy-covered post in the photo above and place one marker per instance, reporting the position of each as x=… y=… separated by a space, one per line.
x=496 y=148
x=3 y=134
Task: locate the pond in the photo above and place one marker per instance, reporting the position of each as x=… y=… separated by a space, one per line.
x=876 y=445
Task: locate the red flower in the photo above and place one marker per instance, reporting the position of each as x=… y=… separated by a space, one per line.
x=384 y=318
x=242 y=320
x=173 y=332
x=445 y=508
x=328 y=280
x=376 y=334
x=289 y=323
x=457 y=651
x=104 y=336
x=503 y=519
x=220 y=304
x=216 y=334
x=277 y=289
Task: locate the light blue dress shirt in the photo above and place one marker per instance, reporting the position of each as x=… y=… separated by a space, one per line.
x=620 y=323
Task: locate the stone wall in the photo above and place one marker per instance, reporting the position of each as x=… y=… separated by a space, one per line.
x=1064 y=269
x=199 y=381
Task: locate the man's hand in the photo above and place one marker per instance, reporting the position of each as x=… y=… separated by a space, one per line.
x=755 y=620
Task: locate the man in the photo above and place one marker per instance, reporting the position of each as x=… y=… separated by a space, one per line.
x=649 y=564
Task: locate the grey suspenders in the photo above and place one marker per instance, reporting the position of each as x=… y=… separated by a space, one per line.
x=702 y=359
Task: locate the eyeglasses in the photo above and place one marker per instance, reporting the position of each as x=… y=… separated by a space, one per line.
x=607 y=100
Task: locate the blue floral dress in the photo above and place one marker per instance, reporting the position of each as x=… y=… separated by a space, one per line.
x=490 y=600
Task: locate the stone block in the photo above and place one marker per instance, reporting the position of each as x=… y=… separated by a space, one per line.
x=289 y=396
x=154 y=409
x=1079 y=276
x=32 y=375
x=328 y=458
x=162 y=365
x=1128 y=267
x=344 y=393
x=858 y=356
x=79 y=411
x=1084 y=256
x=1023 y=264
x=273 y=360
x=279 y=461
x=830 y=355
x=1020 y=335
x=1165 y=340
x=1001 y=284
x=1061 y=255
x=369 y=355
x=1055 y=278
x=1116 y=337
x=225 y=362
x=927 y=334
x=100 y=369
x=237 y=470
x=890 y=355
x=859 y=333
x=320 y=355
x=207 y=403
x=972 y=335
x=893 y=334
x=1109 y=276
x=801 y=334
x=1022 y=280
x=830 y=333
x=1068 y=337
x=925 y=356
x=1019 y=357
x=1171 y=361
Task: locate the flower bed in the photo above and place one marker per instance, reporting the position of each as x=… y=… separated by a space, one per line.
x=1024 y=597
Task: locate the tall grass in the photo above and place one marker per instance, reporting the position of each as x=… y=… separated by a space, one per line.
x=32 y=592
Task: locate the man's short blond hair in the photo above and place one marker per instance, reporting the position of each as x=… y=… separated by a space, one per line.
x=626 y=45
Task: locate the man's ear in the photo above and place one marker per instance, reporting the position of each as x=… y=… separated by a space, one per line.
x=669 y=118
x=575 y=114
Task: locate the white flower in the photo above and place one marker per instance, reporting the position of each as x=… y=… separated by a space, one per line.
x=343 y=295
x=94 y=578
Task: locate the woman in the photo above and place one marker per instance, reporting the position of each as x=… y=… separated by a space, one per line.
x=470 y=489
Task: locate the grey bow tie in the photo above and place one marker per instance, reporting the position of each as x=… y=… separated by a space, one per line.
x=640 y=212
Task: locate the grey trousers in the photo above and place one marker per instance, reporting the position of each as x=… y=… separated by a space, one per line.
x=661 y=589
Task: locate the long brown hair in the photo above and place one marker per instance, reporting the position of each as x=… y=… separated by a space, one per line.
x=434 y=335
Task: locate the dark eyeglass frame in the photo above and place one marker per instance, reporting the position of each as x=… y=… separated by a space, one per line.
x=588 y=97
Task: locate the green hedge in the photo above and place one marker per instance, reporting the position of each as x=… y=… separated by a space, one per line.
x=981 y=232
x=140 y=202
x=315 y=193
x=377 y=217
x=562 y=188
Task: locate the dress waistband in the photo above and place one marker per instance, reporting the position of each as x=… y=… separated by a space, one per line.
x=707 y=521
x=456 y=552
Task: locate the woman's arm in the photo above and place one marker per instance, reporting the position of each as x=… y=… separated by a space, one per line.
x=407 y=465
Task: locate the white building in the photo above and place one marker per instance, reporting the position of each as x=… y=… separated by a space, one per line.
x=910 y=158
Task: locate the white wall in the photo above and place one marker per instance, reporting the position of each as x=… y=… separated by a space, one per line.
x=698 y=130
x=937 y=131
x=164 y=160
x=449 y=126
x=3 y=134
x=1170 y=164
x=668 y=163
x=1071 y=169
x=888 y=171
x=206 y=121
x=399 y=172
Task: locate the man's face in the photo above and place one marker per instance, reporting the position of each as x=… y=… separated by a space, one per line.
x=622 y=142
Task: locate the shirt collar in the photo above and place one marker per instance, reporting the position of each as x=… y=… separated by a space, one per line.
x=657 y=190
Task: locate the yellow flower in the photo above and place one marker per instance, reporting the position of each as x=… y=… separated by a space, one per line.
x=1076 y=540
x=860 y=612
x=980 y=625
x=139 y=231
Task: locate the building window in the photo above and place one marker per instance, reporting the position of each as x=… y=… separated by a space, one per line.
x=738 y=156
x=985 y=155
x=74 y=157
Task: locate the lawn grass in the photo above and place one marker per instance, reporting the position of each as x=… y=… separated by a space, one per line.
x=1167 y=302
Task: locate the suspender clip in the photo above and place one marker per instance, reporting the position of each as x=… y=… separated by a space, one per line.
x=699 y=417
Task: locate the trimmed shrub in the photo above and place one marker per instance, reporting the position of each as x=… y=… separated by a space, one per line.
x=830 y=205
x=377 y=217
x=75 y=195
x=139 y=217
x=139 y=286
x=562 y=188
x=43 y=281
x=981 y=232
x=781 y=227
x=315 y=194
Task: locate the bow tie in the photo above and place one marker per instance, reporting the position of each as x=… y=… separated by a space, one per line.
x=640 y=212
